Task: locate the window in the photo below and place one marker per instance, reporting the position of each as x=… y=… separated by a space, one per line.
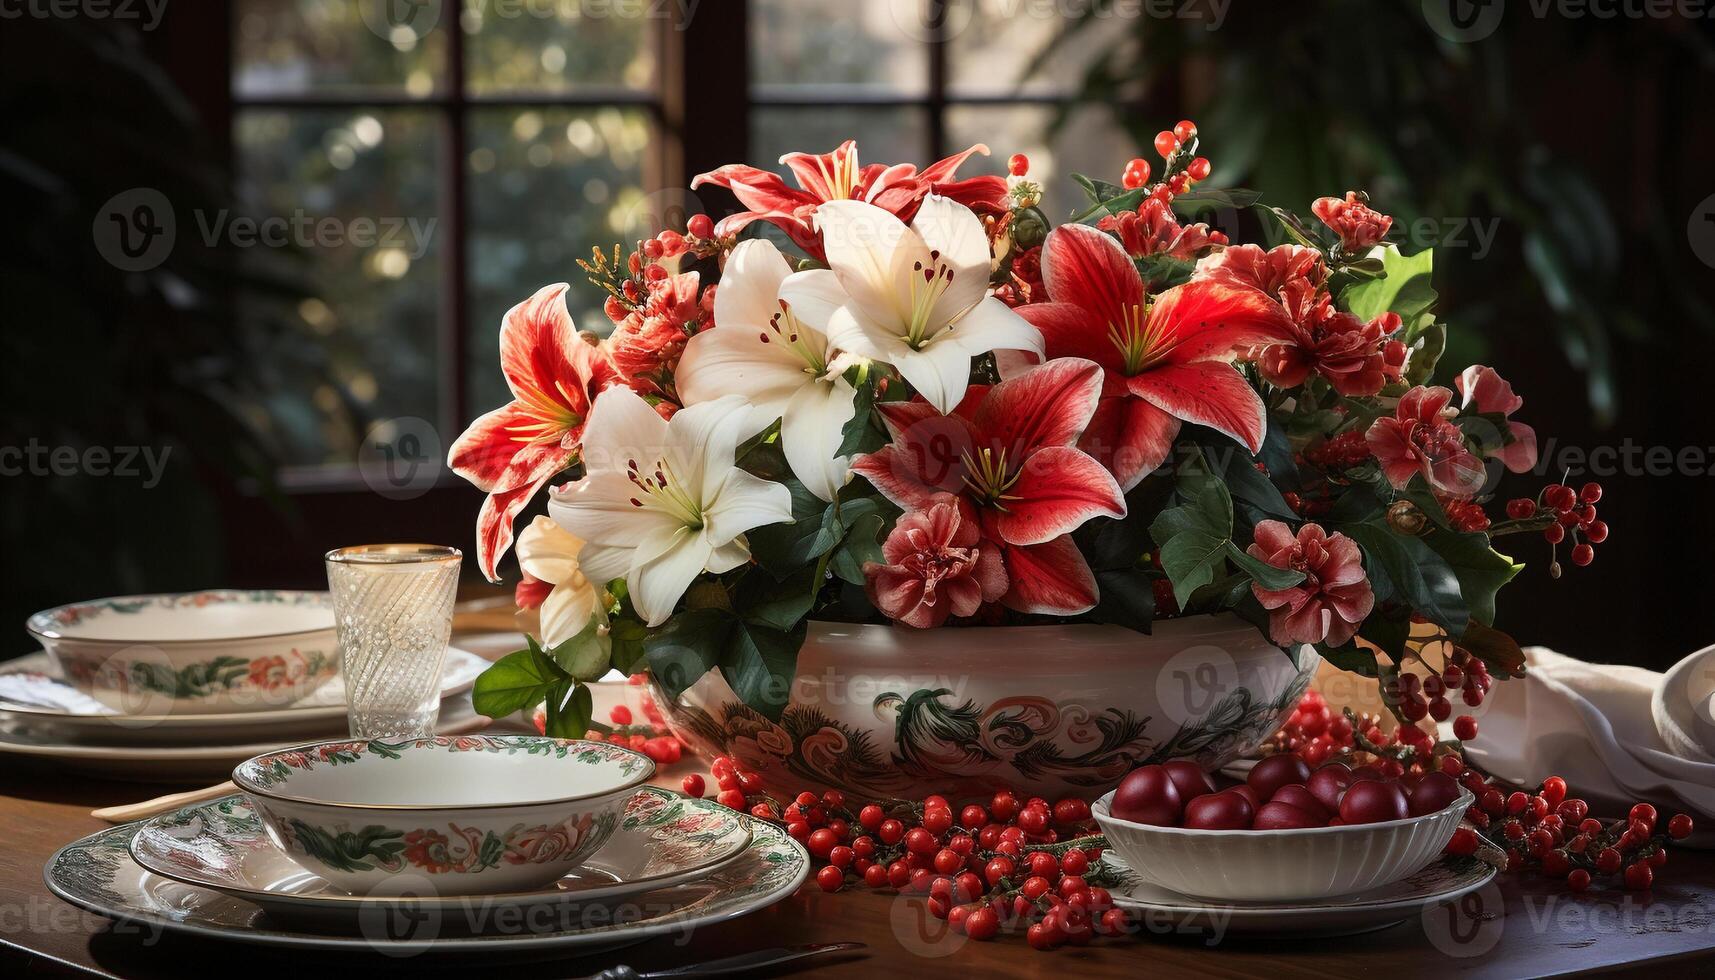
x=915 y=80
x=426 y=164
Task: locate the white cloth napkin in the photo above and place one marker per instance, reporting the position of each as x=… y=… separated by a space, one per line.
x=1593 y=725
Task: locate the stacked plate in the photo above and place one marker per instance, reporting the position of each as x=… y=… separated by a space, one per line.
x=182 y=687
x=478 y=842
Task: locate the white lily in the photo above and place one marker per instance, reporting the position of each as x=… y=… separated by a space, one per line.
x=772 y=347
x=662 y=501
x=548 y=553
x=918 y=295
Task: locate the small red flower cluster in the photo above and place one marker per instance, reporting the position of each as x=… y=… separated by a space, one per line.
x=1026 y=866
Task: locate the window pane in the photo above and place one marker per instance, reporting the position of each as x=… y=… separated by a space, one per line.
x=283 y=47
x=993 y=43
x=345 y=205
x=558 y=47
x=1088 y=143
x=546 y=185
x=836 y=47
x=884 y=135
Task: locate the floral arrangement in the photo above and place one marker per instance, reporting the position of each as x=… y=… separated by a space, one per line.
x=929 y=406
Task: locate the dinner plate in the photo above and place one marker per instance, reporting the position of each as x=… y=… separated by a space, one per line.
x=181 y=763
x=33 y=697
x=1162 y=910
x=1683 y=707
x=98 y=874
x=664 y=839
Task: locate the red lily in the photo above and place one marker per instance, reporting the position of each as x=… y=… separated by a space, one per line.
x=837 y=176
x=1006 y=452
x=1164 y=359
x=510 y=452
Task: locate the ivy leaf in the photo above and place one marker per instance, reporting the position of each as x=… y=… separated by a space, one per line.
x=1236 y=468
x=780 y=604
x=861 y=544
x=758 y=663
x=862 y=433
x=1350 y=657
x=1495 y=648
x=1198 y=202
x=586 y=656
x=569 y=711
x=1404 y=568
x=516 y=682
x=1189 y=559
x=785 y=548
x=1268 y=576
x=686 y=647
x=1480 y=569
x=1126 y=598
x=1405 y=288
x=627 y=634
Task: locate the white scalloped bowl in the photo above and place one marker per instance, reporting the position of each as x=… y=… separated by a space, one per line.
x=1281 y=865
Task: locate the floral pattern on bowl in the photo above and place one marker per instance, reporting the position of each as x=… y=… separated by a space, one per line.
x=198 y=652
x=472 y=814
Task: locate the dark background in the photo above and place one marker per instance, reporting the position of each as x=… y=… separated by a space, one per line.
x=1583 y=144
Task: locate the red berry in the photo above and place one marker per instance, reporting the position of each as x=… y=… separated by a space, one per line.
x=1136 y=173
x=1033 y=820
x=1018 y=165
x=1578 y=879
x=937 y=820
x=997 y=869
x=1583 y=554
x=830 y=878
x=1520 y=508
x=1679 y=827
x=1198 y=168
x=1639 y=876
x=821 y=842
x=972 y=817
x=1034 y=887
x=920 y=841
x=948 y=861
x=871 y=816
x=731 y=798
x=890 y=831
x=1645 y=814
x=967 y=887
x=1044 y=864
x=1463 y=842
x=1166 y=143
x=1597 y=532
x=875 y=876
x=1608 y=861
x=1003 y=807
x=1070 y=811
x=1464 y=728
x=898 y=874
x=983 y=924
x=1075 y=863
x=701 y=226
x=1184 y=130
x=1590 y=493
x=1554 y=534
x=1039 y=937
x=693 y=786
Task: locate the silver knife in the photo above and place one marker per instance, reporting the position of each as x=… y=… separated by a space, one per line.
x=754 y=960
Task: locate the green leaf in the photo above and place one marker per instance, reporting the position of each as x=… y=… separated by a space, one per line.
x=686 y=647
x=1405 y=568
x=862 y=433
x=1114 y=544
x=1198 y=202
x=861 y=544
x=1495 y=648
x=569 y=712
x=1350 y=657
x=761 y=599
x=1480 y=569
x=586 y=656
x=1389 y=632
x=1406 y=288
x=758 y=663
x=1126 y=598
x=1266 y=575
x=516 y=682
x=628 y=635
x=1236 y=468
x=1189 y=559
x=786 y=548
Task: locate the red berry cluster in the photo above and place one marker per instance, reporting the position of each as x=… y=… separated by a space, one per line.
x=1317 y=733
x=1012 y=865
x=1180 y=168
x=1571 y=513
x=651 y=738
x=1547 y=832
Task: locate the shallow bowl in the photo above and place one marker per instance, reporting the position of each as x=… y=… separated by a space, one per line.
x=1280 y=865
x=458 y=814
x=194 y=652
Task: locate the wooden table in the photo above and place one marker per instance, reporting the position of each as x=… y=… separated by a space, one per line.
x=1543 y=931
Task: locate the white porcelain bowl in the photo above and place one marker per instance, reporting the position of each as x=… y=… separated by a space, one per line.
x=1280 y=865
x=194 y=652
x=454 y=814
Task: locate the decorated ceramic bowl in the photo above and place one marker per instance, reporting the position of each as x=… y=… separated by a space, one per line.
x=450 y=815
x=1280 y=865
x=194 y=652
x=1045 y=710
